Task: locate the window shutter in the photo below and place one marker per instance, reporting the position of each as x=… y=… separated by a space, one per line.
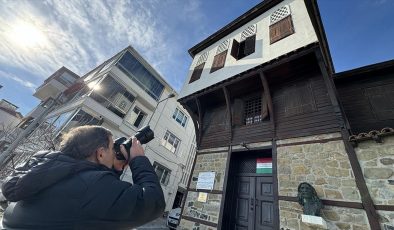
x=281 y=29
x=218 y=61
x=250 y=43
x=197 y=73
x=381 y=99
x=238 y=110
x=234 y=49
x=299 y=99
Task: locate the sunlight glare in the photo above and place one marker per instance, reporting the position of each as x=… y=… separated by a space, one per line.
x=27 y=35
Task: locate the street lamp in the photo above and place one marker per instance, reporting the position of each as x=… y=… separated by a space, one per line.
x=154 y=110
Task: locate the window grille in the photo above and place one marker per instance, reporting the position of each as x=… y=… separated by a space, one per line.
x=203 y=58
x=223 y=46
x=280 y=14
x=252 y=111
x=248 y=32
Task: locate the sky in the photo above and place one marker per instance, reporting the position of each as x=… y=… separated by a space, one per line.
x=39 y=37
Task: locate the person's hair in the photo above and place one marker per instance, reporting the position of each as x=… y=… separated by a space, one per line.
x=83 y=141
x=300 y=197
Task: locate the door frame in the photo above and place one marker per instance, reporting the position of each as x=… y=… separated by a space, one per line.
x=226 y=193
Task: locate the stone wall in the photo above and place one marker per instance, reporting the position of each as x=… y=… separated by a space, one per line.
x=325 y=166
x=336 y=217
x=190 y=225
x=377 y=164
x=211 y=162
x=206 y=211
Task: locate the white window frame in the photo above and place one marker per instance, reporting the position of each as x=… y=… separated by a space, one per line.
x=134 y=116
x=167 y=139
x=164 y=178
x=183 y=119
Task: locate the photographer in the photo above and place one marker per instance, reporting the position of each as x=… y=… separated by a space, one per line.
x=79 y=187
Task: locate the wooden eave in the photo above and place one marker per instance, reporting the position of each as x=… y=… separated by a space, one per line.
x=237 y=23
x=253 y=71
x=314 y=15
x=363 y=71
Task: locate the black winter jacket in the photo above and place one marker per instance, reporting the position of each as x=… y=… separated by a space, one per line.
x=55 y=191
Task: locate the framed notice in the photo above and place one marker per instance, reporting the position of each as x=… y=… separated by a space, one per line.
x=264 y=165
x=202 y=197
x=206 y=180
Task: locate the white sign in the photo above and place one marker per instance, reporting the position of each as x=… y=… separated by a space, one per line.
x=202 y=197
x=206 y=180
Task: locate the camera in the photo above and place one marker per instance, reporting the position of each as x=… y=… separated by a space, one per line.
x=144 y=135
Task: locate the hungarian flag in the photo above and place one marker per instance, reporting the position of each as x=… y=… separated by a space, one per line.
x=264 y=165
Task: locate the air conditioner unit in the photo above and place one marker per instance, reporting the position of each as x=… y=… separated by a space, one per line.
x=122 y=103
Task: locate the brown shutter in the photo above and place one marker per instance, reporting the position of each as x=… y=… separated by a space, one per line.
x=264 y=106
x=234 y=49
x=238 y=110
x=197 y=73
x=381 y=99
x=299 y=99
x=218 y=61
x=250 y=43
x=281 y=29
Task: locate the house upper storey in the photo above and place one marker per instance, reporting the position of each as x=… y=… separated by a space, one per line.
x=271 y=29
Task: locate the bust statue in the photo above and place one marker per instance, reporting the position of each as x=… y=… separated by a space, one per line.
x=307 y=197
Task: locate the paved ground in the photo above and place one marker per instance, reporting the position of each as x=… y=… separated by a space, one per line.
x=159 y=224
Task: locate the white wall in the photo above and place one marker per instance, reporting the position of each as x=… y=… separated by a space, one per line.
x=264 y=52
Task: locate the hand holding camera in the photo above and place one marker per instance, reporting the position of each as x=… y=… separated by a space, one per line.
x=127 y=149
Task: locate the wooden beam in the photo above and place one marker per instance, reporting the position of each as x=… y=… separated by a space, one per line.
x=194 y=118
x=373 y=217
x=205 y=190
x=267 y=94
x=228 y=103
x=337 y=203
x=199 y=109
x=226 y=175
x=275 y=183
x=311 y=142
x=188 y=186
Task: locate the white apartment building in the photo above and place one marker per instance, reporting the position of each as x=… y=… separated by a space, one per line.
x=123 y=94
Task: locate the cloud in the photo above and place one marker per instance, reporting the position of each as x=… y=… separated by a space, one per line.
x=82 y=34
x=31 y=86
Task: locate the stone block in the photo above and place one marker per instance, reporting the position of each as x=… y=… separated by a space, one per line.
x=367 y=155
x=320 y=181
x=343 y=226
x=350 y=193
x=378 y=173
x=332 y=194
x=331 y=215
x=387 y=161
x=314 y=221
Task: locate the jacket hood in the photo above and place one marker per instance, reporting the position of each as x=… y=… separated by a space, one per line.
x=43 y=170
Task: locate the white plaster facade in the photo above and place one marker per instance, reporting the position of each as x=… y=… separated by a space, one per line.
x=264 y=51
x=178 y=163
x=9 y=117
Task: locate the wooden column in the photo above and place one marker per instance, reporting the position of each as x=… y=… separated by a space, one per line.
x=199 y=121
x=228 y=103
x=366 y=199
x=267 y=94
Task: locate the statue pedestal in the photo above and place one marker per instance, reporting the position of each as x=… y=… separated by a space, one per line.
x=315 y=221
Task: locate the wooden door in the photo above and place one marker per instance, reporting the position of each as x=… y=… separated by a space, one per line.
x=254 y=203
x=244 y=210
x=264 y=203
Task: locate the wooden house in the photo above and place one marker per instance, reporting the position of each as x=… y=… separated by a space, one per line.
x=270 y=112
